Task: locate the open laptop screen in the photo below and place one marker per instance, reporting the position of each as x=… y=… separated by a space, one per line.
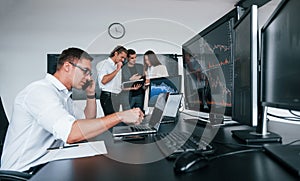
x=158 y=110
x=172 y=104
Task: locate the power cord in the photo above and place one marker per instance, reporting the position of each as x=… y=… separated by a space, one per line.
x=284 y=117
x=291 y=142
x=237 y=144
x=234 y=153
x=294 y=114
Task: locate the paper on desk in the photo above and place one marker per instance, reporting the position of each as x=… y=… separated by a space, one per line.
x=83 y=150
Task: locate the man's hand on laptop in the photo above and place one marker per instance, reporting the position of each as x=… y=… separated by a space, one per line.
x=132 y=116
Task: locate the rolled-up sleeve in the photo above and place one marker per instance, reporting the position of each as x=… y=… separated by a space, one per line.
x=101 y=71
x=52 y=112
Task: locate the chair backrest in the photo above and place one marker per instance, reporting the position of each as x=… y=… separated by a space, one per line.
x=8 y=175
x=3 y=126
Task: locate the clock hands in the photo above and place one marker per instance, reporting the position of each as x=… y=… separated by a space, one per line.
x=117 y=30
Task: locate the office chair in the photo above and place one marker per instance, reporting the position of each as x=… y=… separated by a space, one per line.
x=6 y=175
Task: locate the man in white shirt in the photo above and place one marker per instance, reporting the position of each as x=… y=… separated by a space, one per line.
x=43 y=113
x=109 y=79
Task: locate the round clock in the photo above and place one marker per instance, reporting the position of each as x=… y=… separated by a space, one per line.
x=116 y=30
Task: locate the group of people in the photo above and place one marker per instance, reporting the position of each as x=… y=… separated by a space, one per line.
x=43 y=113
x=121 y=67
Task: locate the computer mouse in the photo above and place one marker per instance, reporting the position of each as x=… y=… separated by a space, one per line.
x=189 y=161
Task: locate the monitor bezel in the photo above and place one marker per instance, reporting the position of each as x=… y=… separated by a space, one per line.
x=253 y=100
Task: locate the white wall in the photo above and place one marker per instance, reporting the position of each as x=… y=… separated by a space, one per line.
x=32 y=28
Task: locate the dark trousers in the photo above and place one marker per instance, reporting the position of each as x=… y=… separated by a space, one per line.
x=137 y=101
x=109 y=102
x=124 y=100
x=130 y=101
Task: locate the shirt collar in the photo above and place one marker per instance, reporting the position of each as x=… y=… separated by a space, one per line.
x=111 y=61
x=60 y=86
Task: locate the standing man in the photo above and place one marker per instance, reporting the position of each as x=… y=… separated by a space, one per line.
x=134 y=96
x=109 y=78
x=43 y=113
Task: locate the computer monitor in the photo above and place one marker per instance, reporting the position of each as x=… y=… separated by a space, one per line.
x=208 y=68
x=280 y=73
x=171 y=84
x=246 y=107
x=245 y=82
x=279 y=65
x=280 y=58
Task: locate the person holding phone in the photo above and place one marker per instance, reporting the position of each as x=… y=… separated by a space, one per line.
x=43 y=114
x=109 y=79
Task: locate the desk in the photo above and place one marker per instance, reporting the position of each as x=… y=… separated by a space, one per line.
x=252 y=166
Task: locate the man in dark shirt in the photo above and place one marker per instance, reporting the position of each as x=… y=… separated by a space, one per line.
x=132 y=97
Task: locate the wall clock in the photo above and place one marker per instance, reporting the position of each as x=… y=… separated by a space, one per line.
x=116 y=30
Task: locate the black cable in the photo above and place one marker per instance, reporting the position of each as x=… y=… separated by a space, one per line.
x=283 y=117
x=233 y=153
x=237 y=144
x=295 y=141
x=294 y=114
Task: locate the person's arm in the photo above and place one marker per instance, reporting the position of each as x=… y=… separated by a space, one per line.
x=108 y=77
x=88 y=128
x=134 y=87
x=135 y=77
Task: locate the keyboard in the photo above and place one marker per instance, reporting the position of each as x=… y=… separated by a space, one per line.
x=140 y=128
x=168 y=119
x=174 y=143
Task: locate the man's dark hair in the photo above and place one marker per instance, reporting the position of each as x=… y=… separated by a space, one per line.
x=130 y=52
x=71 y=54
x=119 y=49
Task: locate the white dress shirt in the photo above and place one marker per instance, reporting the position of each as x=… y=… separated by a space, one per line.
x=42 y=113
x=157 y=71
x=106 y=67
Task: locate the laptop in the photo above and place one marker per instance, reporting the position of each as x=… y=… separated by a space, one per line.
x=172 y=106
x=288 y=155
x=150 y=128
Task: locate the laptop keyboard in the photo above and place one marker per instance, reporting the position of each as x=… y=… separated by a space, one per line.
x=174 y=143
x=140 y=128
x=168 y=119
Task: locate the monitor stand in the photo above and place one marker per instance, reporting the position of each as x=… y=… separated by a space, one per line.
x=252 y=136
x=260 y=135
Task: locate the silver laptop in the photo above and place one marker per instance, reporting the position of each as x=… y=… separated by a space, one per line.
x=151 y=127
x=171 y=108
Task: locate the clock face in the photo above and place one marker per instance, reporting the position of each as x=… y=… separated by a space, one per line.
x=116 y=30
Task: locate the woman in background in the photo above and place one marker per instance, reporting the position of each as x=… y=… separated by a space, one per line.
x=152 y=69
x=152 y=66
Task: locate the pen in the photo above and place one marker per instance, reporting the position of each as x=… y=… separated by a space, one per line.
x=62 y=147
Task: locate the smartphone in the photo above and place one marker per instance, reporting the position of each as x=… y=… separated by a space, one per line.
x=88 y=82
x=125 y=62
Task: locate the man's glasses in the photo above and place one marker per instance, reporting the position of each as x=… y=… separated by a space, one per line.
x=86 y=71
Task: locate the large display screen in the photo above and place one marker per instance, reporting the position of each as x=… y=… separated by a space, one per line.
x=280 y=58
x=207 y=60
